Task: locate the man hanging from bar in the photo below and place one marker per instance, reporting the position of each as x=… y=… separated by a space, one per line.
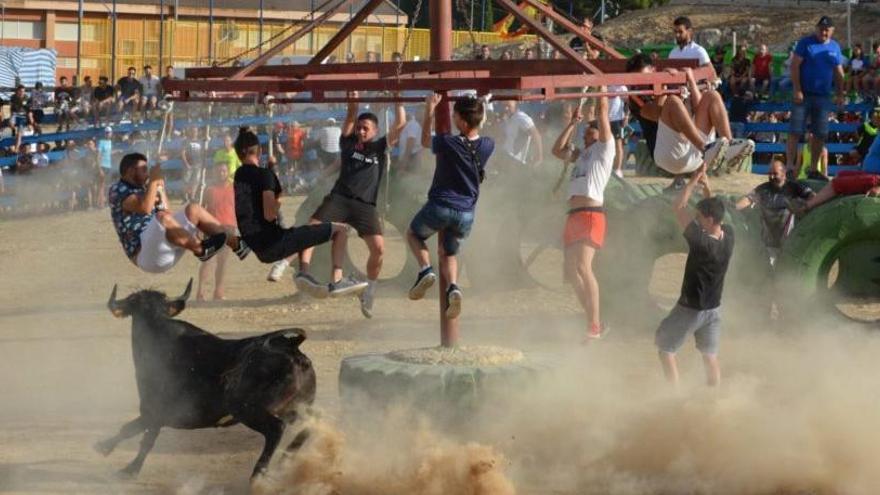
x=686 y=133
x=353 y=197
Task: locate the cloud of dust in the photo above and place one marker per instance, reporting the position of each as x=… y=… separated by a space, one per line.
x=388 y=458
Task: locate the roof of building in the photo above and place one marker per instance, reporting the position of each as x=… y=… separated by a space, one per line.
x=387 y=7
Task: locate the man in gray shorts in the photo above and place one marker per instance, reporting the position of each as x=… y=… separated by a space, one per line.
x=710 y=245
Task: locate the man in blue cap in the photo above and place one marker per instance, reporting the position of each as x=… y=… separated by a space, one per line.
x=816 y=69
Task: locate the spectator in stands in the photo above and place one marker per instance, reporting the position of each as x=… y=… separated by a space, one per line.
x=228 y=156
x=83 y=98
x=867 y=132
x=740 y=74
x=37 y=103
x=128 y=92
x=529 y=54
x=740 y=106
x=20 y=108
x=349 y=58
x=805 y=160
x=150 y=91
x=577 y=44
x=523 y=144
x=103 y=99
x=64 y=103
x=105 y=161
x=856 y=69
x=26 y=160
x=485 y=53
x=816 y=68
x=685 y=46
x=396 y=57
x=872 y=79
x=220 y=202
x=762 y=68
x=169 y=76
x=328 y=140
x=506 y=55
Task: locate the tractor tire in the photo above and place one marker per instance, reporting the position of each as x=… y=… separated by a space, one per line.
x=845 y=230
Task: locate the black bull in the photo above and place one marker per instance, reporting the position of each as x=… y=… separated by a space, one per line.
x=188 y=378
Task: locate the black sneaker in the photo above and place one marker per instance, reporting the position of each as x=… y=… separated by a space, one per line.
x=308 y=284
x=243 y=249
x=453 y=301
x=212 y=245
x=678 y=184
x=426 y=279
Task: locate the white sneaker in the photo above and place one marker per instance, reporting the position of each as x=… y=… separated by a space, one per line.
x=619 y=173
x=714 y=153
x=737 y=152
x=277 y=271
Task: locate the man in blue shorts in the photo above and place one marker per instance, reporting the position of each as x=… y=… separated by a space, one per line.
x=449 y=212
x=816 y=68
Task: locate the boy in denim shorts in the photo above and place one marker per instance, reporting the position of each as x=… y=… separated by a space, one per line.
x=710 y=246
x=461 y=161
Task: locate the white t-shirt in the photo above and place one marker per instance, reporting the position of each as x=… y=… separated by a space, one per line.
x=691 y=50
x=412 y=129
x=150 y=84
x=592 y=170
x=329 y=138
x=28 y=131
x=517 y=135
x=616 y=110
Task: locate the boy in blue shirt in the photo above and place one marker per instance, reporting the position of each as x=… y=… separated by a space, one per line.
x=460 y=165
x=816 y=67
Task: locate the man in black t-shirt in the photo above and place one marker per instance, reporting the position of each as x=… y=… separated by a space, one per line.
x=64 y=103
x=103 y=98
x=128 y=91
x=710 y=246
x=257 y=208
x=361 y=165
x=775 y=199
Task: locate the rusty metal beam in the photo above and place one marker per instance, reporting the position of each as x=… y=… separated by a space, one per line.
x=504 y=68
x=268 y=54
x=548 y=36
x=346 y=30
x=550 y=12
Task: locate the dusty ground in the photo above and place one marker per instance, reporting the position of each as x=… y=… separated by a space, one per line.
x=66 y=377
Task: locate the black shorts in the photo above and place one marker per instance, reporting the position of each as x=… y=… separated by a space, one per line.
x=327 y=158
x=617 y=129
x=362 y=216
x=290 y=241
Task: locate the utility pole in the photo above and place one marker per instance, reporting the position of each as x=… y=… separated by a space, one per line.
x=79 y=28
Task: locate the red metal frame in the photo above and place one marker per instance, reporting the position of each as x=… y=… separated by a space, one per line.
x=516 y=79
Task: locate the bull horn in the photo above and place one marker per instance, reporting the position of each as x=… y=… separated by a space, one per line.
x=188 y=290
x=112 y=304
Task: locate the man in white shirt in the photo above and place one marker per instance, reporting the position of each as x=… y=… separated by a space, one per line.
x=685 y=46
x=584 y=232
x=519 y=135
x=150 y=96
x=410 y=143
x=328 y=141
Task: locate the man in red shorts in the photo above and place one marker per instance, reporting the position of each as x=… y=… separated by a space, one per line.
x=585 y=226
x=846 y=183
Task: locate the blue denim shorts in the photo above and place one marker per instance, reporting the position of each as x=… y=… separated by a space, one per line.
x=815 y=108
x=455 y=225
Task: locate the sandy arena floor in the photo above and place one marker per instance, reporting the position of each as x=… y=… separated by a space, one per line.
x=66 y=376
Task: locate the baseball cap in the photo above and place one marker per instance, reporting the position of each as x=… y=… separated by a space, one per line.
x=825 y=22
x=108 y=130
x=331 y=121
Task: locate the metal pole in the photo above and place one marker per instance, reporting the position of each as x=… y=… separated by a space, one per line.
x=3 y=24
x=849 y=25
x=441 y=49
x=312 y=34
x=113 y=44
x=602 y=13
x=161 y=31
x=483 y=16
x=79 y=27
x=210 y=32
x=260 y=37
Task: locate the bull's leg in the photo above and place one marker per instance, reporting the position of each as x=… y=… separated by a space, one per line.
x=271 y=428
x=128 y=430
x=147 y=442
x=298 y=440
